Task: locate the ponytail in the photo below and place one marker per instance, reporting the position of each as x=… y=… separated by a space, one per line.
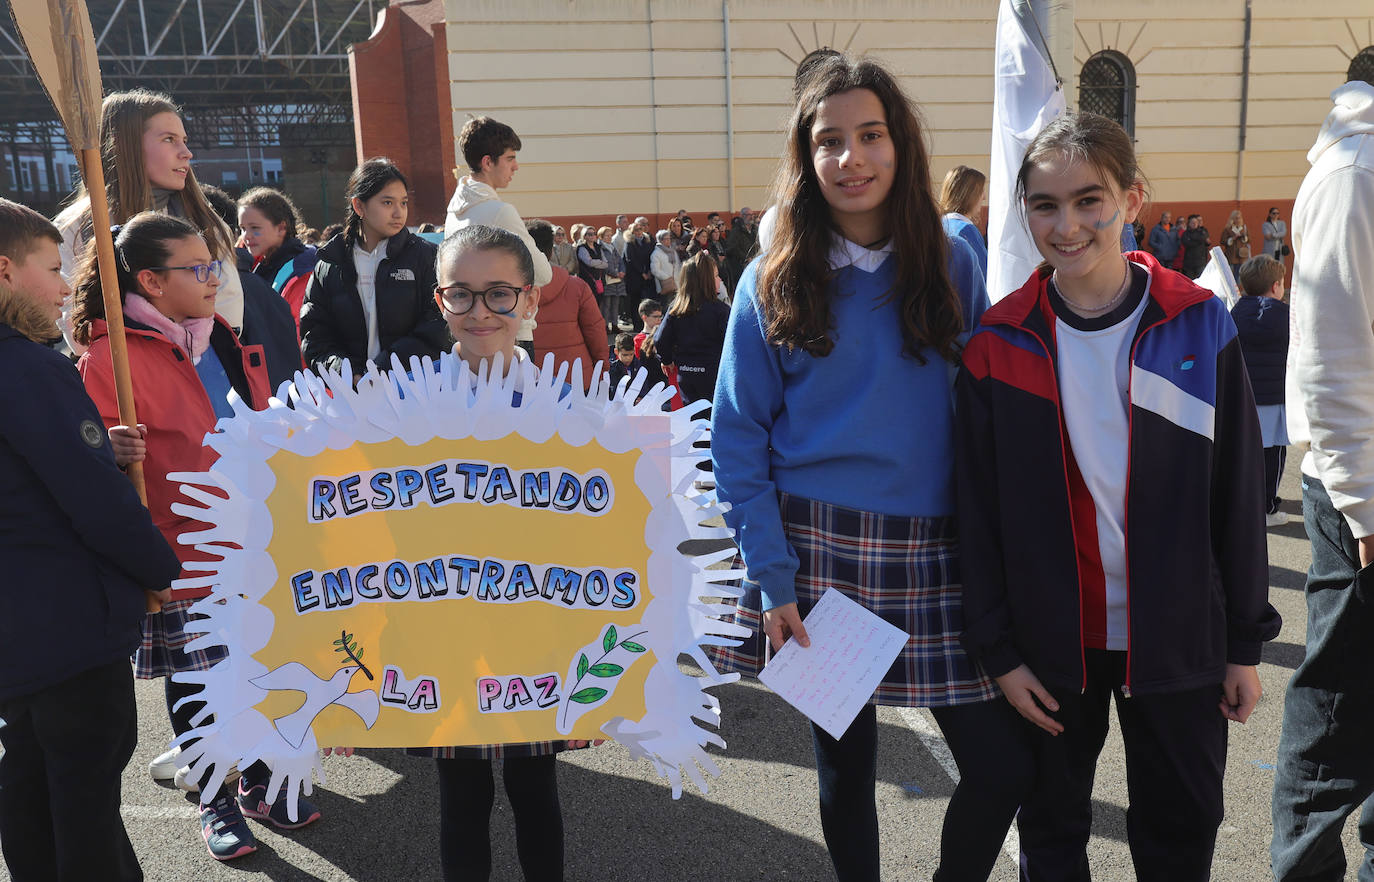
x=367 y=181
x=143 y=243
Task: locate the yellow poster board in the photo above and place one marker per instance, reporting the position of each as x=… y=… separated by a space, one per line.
x=441 y=559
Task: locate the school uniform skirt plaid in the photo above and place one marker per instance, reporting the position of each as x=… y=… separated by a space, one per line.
x=163 y=650
x=904 y=569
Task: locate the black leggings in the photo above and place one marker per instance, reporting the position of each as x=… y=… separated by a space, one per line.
x=994 y=752
x=467 y=790
x=257 y=773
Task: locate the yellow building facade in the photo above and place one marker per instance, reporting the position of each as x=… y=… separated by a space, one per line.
x=647 y=106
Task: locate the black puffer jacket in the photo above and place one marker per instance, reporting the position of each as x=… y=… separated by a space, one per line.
x=1262 y=323
x=333 y=325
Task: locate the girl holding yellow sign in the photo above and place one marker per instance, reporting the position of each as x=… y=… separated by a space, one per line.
x=486 y=281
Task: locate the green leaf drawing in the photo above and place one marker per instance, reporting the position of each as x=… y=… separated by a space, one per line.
x=589 y=695
x=608 y=642
x=606 y=669
x=358 y=656
x=338 y=643
x=632 y=647
x=582 y=665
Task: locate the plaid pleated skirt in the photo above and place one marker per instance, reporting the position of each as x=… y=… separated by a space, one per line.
x=492 y=751
x=904 y=569
x=163 y=650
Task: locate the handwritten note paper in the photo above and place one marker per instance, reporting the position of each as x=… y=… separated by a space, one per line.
x=851 y=649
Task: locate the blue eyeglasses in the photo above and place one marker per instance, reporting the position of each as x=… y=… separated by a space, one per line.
x=203 y=271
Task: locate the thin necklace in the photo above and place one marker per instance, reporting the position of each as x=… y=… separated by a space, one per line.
x=1096 y=310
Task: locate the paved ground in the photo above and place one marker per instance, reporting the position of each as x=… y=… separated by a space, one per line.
x=757 y=823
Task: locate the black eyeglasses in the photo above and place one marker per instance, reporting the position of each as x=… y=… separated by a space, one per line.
x=203 y=271
x=499 y=299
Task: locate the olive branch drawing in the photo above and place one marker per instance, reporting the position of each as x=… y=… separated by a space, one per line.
x=348 y=645
x=600 y=668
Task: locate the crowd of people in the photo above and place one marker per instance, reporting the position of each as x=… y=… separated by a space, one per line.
x=877 y=426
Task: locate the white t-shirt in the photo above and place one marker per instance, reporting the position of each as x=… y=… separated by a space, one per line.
x=1094 y=383
x=366 y=263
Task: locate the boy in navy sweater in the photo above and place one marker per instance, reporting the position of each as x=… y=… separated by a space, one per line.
x=1261 y=319
x=79 y=551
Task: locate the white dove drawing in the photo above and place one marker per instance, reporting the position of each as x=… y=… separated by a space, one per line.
x=319 y=694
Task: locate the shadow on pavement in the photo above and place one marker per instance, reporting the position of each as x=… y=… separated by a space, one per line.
x=1285 y=655
x=1282 y=577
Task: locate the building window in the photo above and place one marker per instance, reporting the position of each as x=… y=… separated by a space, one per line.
x=1362 y=66
x=229 y=179
x=1106 y=86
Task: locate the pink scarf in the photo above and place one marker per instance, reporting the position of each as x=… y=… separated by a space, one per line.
x=192 y=334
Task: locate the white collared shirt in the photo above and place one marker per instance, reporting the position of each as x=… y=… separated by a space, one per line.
x=844 y=253
x=366 y=263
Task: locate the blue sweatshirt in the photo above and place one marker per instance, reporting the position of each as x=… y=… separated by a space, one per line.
x=960 y=226
x=865 y=427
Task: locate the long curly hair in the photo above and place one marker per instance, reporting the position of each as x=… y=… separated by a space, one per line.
x=794 y=287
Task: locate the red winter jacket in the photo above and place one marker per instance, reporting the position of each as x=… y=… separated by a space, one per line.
x=171 y=401
x=570 y=325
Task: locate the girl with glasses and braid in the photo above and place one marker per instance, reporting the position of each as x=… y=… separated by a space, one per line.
x=184 y=359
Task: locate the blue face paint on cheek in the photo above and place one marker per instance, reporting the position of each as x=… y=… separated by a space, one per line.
x=1102 y=225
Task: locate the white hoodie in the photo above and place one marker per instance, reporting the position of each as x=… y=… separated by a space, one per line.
x=477 y=203
x=1331 y=356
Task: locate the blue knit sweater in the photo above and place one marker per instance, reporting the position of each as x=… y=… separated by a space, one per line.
x=865 y=427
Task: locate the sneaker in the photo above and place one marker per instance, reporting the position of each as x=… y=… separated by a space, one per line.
x=183 y=780
x=253 y=802
x=226 y=832
x=164 y=766
x=1277 y=519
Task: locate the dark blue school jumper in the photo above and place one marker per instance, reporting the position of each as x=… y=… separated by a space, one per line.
x=78 y=550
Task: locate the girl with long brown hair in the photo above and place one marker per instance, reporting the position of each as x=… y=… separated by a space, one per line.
x=693 y=333
x=147 y=164
x=832 y=441
x=961 y=195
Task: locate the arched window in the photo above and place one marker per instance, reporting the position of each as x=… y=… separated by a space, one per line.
x=1362 y=66
x=1106 y=86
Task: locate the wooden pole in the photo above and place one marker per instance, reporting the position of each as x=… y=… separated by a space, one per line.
x=94 y=175
x=57 y=35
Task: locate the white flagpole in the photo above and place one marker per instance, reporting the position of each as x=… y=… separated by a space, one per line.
x=1026 y=97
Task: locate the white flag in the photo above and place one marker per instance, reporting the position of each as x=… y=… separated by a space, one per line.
x=1025 y=99
x=1216 y=277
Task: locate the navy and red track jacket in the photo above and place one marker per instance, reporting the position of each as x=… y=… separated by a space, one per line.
x=1197 y=563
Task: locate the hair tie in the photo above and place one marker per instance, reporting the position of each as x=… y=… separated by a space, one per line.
x=123 y=261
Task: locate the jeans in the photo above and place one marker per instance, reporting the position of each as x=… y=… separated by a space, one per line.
x=1175 y=758
x=65 y=751
x=610 y=309
x=1326 y=751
